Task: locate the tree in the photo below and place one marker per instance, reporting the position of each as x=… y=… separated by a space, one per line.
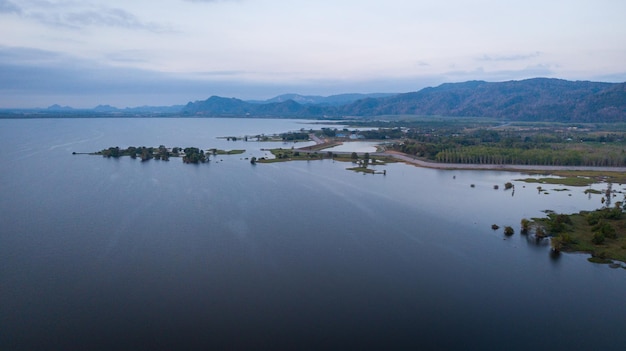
x=194 y=155
x=556 y=243
x=354 y=156
x=525 y=223
x=540 y=233
x=606 y=230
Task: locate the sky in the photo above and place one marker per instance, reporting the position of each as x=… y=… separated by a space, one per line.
x=127 y=53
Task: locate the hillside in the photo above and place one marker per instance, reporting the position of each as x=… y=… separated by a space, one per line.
x=333 y=100
x=530 y=100
x=533 y=99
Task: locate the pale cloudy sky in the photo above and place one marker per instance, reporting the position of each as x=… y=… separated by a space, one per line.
x=161 y=52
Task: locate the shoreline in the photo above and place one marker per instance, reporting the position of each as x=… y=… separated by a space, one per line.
x=501 y=167
x=457 y=166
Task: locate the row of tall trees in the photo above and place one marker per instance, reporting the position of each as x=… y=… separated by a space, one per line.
x=541 y=146
x=539 y=156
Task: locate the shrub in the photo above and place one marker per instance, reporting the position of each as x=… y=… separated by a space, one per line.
x=509 y=231
x=614 y=213
x=605 y=229
x=598 y=238
x=593 y=218
x=525 y=223
x=567 y=239
x=540 y=233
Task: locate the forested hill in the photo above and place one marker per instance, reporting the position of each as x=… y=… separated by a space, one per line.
x=531 y=100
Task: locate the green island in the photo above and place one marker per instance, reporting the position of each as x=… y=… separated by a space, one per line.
x=577 y=178
x=191 y=155
x=362 y=162
x=601 y=233
x=227 y=152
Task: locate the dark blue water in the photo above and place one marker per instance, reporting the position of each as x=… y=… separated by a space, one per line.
x=106 y=254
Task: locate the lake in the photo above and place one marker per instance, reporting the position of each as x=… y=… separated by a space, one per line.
x=118 y=254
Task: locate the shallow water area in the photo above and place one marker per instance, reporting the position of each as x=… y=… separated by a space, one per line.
x=354 y=146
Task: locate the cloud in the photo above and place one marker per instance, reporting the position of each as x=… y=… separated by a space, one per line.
x=32 y=77
x=500 y=75
x=39 y=78
x=106 y=17
x=213 y=0
x=514 y=57
x=78 y=15
x=9 y=7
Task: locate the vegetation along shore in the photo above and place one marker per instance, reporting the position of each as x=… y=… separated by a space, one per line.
x=580 y=154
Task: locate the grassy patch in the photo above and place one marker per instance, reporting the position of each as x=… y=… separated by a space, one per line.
x=362 y=169
x=283 y=155
x=228 y=152
x=595 y=259
x=322 y=146
x=577 y=233
x=594 y=176
x=568 y=181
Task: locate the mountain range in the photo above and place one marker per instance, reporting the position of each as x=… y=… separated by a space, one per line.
x=537 y=99
x=333 y=100
x=534 y=99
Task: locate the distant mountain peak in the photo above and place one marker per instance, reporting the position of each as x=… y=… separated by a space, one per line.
x=57 y=107
x=333 y=100
x=105 y=108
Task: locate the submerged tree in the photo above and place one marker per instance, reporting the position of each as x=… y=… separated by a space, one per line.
x=540 y=233
x=556 y=243
x=525 y=223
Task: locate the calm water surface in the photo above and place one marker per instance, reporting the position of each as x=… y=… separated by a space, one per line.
x=106 y=254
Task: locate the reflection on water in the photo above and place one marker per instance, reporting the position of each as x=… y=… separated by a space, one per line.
x=354 y=146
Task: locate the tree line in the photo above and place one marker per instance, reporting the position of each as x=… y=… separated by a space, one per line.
x=526 y=147
x=188 y=154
